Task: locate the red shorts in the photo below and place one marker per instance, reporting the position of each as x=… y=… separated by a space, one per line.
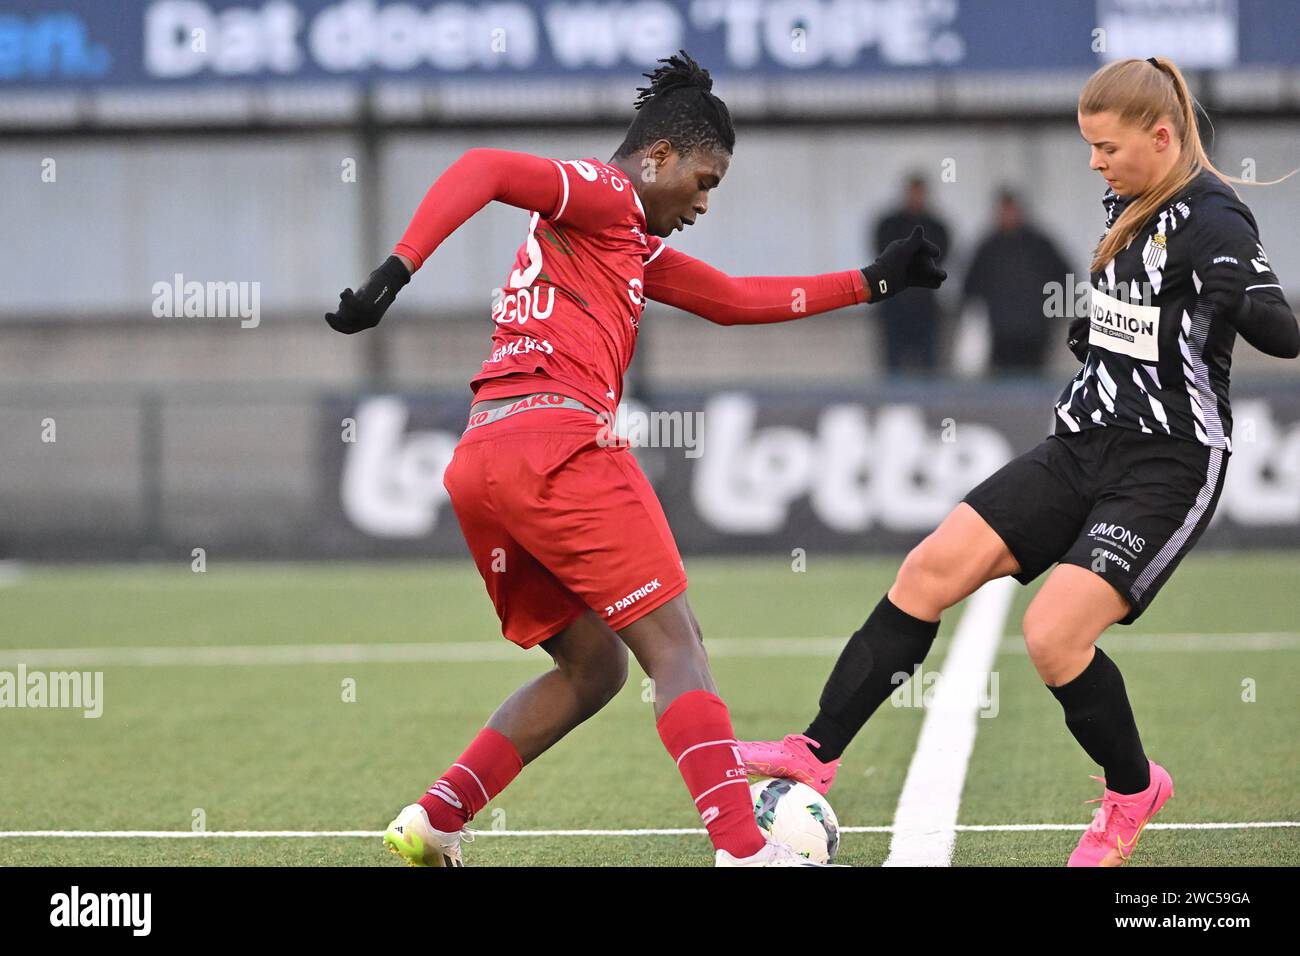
x=558 y=523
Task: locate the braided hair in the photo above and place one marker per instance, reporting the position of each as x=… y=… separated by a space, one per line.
x=679 y=106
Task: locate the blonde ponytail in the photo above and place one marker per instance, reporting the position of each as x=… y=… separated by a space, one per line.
x=1141 y=93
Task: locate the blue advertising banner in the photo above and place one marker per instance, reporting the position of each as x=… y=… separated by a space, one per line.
x=61 y=44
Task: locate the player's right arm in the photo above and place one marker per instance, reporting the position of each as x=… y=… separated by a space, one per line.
x=568 y=192
x=479 y=177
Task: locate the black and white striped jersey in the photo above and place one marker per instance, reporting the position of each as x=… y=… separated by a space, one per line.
x=1158 y=353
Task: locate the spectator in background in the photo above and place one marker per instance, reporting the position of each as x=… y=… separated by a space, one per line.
x=911 y=322
x=1011 y=266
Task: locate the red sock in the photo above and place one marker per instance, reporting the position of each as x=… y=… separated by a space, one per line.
x=696 y=729
x=485 y=769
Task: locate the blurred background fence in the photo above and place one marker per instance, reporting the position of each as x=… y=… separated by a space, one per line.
x=274 y=151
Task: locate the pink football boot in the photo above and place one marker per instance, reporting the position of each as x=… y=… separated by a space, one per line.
x=791 y=758
x=1115 y=829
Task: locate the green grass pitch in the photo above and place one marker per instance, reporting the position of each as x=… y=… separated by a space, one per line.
x=275 y=746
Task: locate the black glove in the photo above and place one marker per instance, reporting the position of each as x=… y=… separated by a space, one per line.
x=1077 y=338
x=904 y=263
x=364 y=308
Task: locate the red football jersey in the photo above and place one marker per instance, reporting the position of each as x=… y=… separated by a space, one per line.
x=569 y=311
x=571 y=306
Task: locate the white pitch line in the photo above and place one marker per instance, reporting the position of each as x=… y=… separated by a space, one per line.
x=465 y=652
x=1034 y=827
x=371 y=834
x=925 y=822
x=495 y=652
x=263 y=654
x=1118 y=642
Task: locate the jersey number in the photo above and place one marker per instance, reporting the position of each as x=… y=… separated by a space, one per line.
x=519 y=279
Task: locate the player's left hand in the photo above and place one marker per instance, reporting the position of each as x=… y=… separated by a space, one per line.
x=364 y=308
x=905 y=263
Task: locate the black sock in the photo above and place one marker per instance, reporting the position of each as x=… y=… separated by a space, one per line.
x=1097 y=712
x=890 y=642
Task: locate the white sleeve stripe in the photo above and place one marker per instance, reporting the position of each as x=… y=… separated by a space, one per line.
x=565 y=201
x=1274 y=286
x=662 y=247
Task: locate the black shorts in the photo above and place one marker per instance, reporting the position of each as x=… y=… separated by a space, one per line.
x=1122 y=503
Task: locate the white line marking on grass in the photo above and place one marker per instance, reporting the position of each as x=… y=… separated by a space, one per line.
x=465 y=652
x=1033 y=827
x=925 y=822
x=373 y=834
x=1119 y=642
x=489 y=652
x=11 y=572
x=263 y=654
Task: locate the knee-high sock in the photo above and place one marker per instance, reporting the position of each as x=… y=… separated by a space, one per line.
x=1098 y=713
x=890 y=642
x=696 y=730
x=478 y=775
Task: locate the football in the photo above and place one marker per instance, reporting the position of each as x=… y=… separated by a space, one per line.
x=798 y=816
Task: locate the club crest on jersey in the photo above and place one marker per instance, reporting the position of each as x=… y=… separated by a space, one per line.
x=1156 y=251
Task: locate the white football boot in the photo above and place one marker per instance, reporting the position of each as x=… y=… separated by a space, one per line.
x=415 y=840
x=772 y=854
